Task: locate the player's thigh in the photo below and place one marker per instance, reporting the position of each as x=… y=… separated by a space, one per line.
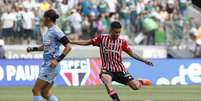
x=46 y=90
x=123 y=77
x=107 y=80
x=39 y=84
x=134 y=84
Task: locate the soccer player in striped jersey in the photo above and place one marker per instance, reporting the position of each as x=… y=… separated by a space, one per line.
x=52 y=40
x=111 y=48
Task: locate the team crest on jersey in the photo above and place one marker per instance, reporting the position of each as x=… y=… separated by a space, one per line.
x=75 y=72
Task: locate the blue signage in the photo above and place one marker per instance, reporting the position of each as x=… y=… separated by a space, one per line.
x=76 y=72
x=167 y=71
x=18 y=72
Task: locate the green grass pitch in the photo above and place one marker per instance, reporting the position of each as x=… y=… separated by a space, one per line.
x=155 y=93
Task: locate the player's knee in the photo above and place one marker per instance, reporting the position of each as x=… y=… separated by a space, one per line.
x=135 y=88
x=135 y=85
x=35 y=91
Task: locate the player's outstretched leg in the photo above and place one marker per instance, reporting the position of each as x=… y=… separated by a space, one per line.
x=47 y=94
x=107 y=80
x=137 y=84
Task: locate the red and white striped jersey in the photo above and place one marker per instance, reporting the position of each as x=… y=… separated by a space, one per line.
x=111 y=52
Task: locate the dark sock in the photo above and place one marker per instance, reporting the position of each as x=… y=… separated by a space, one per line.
x=114 y=96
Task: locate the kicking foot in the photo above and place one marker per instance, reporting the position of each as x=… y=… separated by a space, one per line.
x=145 y=82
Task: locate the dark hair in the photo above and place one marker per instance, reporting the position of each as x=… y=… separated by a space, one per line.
x=115 y=24
x=51 y=14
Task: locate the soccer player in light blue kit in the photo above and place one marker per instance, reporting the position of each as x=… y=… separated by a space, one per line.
x=52 y=40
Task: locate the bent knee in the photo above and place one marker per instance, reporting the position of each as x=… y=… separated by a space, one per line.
x=135 y=85
x=135 y=88
x=33 y=90
x=36 y=91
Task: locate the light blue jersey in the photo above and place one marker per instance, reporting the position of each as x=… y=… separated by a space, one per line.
x=51 y=50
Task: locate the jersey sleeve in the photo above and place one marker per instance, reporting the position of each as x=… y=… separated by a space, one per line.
x=96 y=41
x=125 y=46
x=58 y=34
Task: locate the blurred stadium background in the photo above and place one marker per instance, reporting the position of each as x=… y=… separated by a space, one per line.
x=166 y=31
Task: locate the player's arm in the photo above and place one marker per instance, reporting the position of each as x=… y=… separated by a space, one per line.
x=67 y=48
x=32 y=49
x=135 y=56
x=95 y=41
x=128 y=50
x=81 y=42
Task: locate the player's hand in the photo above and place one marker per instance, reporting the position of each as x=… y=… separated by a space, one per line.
x=149 y=63
x=29 y=49
x=53 y=63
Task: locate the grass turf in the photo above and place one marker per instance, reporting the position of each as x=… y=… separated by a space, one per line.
x=155 y=93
